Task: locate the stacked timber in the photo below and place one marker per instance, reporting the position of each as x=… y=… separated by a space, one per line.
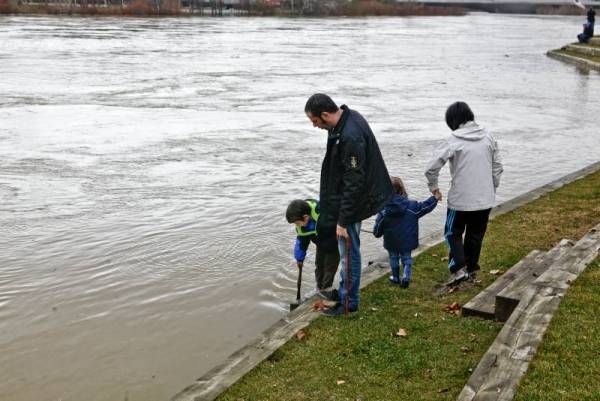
x=527 y=296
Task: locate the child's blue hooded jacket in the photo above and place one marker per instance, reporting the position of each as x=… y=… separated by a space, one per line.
x=398 y=222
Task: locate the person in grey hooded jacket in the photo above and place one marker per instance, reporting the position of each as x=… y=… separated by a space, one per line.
x=475 y=168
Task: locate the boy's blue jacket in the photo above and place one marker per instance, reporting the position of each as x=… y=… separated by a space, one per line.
x=398 y=222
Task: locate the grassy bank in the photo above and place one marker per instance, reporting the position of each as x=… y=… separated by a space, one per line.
x=567 y=365
x=360 y=358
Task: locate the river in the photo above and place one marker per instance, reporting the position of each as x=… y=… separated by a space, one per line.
x=145 y=167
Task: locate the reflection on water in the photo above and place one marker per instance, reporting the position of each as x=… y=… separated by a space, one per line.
x=145 y=165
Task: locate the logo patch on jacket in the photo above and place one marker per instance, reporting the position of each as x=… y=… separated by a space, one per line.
x=353 y=162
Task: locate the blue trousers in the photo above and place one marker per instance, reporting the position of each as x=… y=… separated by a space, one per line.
x=395 y=258
x=355 y=267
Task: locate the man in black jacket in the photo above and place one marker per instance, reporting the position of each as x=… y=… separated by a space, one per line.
x=355 y=184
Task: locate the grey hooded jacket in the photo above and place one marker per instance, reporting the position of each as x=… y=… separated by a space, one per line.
x=475 y=167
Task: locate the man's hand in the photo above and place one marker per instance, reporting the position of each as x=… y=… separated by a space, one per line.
x=437 y=194
x=300 y=264
x=341 y=232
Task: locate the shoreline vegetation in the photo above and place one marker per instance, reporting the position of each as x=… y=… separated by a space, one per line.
x=274 y=8
x=267 y=8
x=363 y=357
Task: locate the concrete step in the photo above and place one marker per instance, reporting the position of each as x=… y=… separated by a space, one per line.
x=584 y=50
x=484 y=304
x=508 y=297
x=595 y=40
x=506 y=361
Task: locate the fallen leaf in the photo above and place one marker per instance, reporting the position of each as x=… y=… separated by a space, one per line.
x=300 y=335
x=340 y=382
x=451 y=290
x=443 y=390
x=401 y=333
x=495 y=272
x=417 y=314
x=319 y=306
x=465 y=349
x=444 y=259
x=374 y=309
x=434 y=254
x=453 y=308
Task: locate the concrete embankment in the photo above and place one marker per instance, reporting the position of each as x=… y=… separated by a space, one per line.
x=585 y=55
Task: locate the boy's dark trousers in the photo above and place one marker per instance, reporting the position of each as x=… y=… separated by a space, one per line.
x=473 y=224
x=326 y=262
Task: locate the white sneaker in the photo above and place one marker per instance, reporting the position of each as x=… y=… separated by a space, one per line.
x=458 y=276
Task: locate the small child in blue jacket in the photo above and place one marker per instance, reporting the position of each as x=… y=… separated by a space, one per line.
x=398 y=222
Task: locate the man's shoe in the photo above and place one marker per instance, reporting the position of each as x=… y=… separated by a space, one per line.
x=339 y=311
x=404 y=283
x=457 y=277
x=394 y=280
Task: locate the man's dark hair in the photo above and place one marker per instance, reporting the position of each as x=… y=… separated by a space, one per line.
x=320 y=103
x=296 y=210
x=591 y=15
x=457 y=114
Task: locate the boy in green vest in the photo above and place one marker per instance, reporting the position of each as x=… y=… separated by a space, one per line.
x=305 y=214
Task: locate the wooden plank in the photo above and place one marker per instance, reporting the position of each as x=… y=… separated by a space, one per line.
x=567 y=268
x=483 y=304
x=499 y=372
x=508 y=297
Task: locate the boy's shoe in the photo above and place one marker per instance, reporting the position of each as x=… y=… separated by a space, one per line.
x=404 y=283
x=457 y=277
x=394 y=280
x=339 y=311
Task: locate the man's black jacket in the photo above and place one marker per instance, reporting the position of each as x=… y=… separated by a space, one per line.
x=355 y=183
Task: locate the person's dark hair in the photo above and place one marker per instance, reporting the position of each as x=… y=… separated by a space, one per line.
x=320 y=103
x=591 y=15
x=457 y=114
x=398 y=186
x=296 y=210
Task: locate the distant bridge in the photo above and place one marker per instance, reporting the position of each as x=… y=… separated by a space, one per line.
x=509 y=6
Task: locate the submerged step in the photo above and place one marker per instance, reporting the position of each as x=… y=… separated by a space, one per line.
x=508 y=298
x=584 y=50
x=483 y=304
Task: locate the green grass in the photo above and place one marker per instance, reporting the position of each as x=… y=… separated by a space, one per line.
x=436 y=358
x=567 y=365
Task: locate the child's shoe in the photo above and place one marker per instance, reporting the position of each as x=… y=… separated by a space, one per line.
x=404 y=283
x=394 y=280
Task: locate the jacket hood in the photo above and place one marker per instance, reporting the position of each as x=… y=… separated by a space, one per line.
x=397 y=206
x=469 y=131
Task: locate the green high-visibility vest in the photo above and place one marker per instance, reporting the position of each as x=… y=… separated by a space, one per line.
x=314 y=215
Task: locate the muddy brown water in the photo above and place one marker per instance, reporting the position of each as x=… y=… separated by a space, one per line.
x=145 y=165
